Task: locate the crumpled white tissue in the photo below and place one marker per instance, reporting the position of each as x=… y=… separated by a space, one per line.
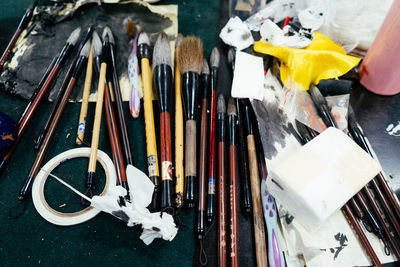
x=236 y=34
x=134 y=211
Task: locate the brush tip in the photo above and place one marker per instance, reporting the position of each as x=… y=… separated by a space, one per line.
x=97 y=46
x=190 y=55
x=205 y=69
x=178 y=40
x=231 y=56
x=86 y=49
x=74 y=36
x=231 y=107
x=221 y=107
x=130 y=28
x=143 y=39
x=316 y=95
x=214 y=58
x=108 y=33
x=162 y=51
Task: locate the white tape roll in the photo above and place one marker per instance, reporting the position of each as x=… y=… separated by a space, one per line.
x=66 y=219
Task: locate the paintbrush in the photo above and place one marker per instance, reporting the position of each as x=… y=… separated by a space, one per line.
x=112 y=74
x=151 y=144
x=21 y=27
x=179 y=171
x=133 y=32
x=212 y=171
x=56 y=102
x=112 y=128
x=271 y=216
x=222 y=231
x=163 y=81
x=61 y=58
x=190 y=61
x=85 y=99
x=205 y=86
x=234 y=234
x=258 y=220
x=97 y=50
x=244 y=161
x=78 y=65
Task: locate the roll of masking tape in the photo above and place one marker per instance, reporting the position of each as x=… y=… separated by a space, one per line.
x=67 y=219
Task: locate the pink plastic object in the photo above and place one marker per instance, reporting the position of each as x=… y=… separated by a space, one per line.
x=380 y=70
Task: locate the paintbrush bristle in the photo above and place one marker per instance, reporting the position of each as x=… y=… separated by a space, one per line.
x=316 y=96
x=178 y=40
x=231 y=56
x=97 y=46
x=190 y=54
x=143 y=39
x=214 y=58
x=162 y=51
x=108 y=33
x=221 y=108
x=231 y=107
x=74 y=36
x=303 y=131
x=205 y=69
x=85 y=49
x=130 y=28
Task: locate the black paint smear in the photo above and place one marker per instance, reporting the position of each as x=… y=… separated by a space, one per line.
x=273 y=125
x=51 y=38
x=121 y=215
x=342 y=239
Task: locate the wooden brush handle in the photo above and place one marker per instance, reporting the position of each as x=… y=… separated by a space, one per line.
x=179 y=170
x=166 y=160
x=97 y=119
x=9 y=48
x=221 y=206
x=151 y=144
x=190 y=163
x=258 y=220
x=234 y=233
x=85 y=99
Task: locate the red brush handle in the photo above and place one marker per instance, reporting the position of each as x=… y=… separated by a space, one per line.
x=221 y=206
x=10 y=46
x=234 y=208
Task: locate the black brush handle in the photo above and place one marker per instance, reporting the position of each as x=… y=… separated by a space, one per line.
x=190 y=85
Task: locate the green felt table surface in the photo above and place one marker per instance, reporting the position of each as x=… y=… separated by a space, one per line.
x=104 y=240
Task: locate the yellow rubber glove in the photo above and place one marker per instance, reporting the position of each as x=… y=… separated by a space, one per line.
x=322 y=59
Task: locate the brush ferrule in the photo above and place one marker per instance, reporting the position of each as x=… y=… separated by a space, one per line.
x=190 y=85
x=232 y=124
x=78 y=66
x=26 y=18
x=143 y=51
x=64 y=53
x=163 y=81
x=221 y=127
x=214 y=77
x=246 y=115
x=205 y=83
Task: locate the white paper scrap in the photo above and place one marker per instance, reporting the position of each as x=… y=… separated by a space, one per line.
x=248 y=78
x=236 y=34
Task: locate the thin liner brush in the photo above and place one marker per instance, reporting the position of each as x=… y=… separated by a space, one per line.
x=163 y=81
x=179 y=170
x=113 y=77
x=190 y=61
x=212 y=170
x=97 y=50
x=151 y=144
x=23 y=125
x=234 y=234
x=222 y=230
x=205 y=86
